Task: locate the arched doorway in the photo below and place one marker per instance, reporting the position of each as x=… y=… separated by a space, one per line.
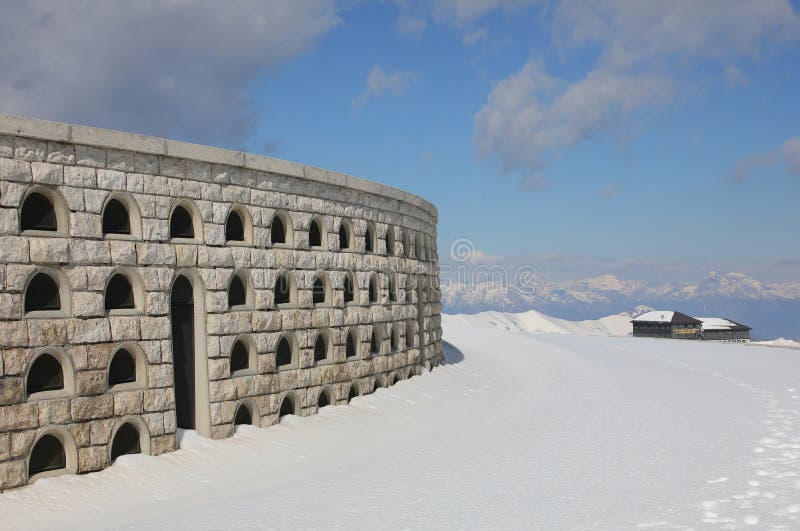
x=421 y=284
x=182 y=314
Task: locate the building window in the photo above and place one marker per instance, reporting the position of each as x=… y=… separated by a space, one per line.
x=369 y=238
x=375 y=341
x=344 y=235
x=390 y=240
x=181 y=224
x=320 y=348
x=234 y=227
x=42 y=294
x=350 y=346
x=406 y=244
x=243 y=416
x=240 y=357
x=122 y=368
x=47 y=454
x=283 y=289
x=410 y=334
x=373 y=289
x=392 y=289
x=287 y=407
x=323 y=400
x=352 y=393
x=116 y=219
x=38 y=214
x=349 y=288
x=45 y=374
x=318 y=290
x=279 y=229
x=315 y=233
x=126 y=441
x=237 y=292
x=394 y=340
x=119 y=293
x=284 y=354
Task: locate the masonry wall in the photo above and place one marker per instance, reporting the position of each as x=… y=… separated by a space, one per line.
x=82 y=169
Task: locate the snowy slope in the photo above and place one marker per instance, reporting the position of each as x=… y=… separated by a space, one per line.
x=519 y=431
x=539 y=323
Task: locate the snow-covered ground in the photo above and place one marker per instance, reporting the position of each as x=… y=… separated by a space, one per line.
x=518 y=431
x=538 y=323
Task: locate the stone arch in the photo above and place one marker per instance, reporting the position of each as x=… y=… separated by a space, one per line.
x=287 y=352
x=345 y=234
x=124 y=292
x=122 y=442
x=349 y=288
x=353 y=391
x=49 y=374
x=373 y=289
x=238 y=226
x=351 y=343
x=246 y=410
x=43 y=212
x=243 y=356
x=322 y=346
x=394 y=337
x=44 y=458
x=321 y=289
x=47 y=293
x=281 y=229
x=418 y=246
x=390 y=240
x=290 y=405
x=285 y=291
x=317 y=233
x=185 y=222
x=121 y=217
x=376 y=340
x=325 y=397
x=190 y=367
x=410 y=333
x=392 y=287
x=119 y=374
x=370 y=243
x=241 y=294
x=406 y=244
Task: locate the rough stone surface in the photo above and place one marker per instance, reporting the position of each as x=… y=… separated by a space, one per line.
x=154 y=175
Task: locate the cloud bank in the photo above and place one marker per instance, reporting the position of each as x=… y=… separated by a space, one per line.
x=177 y=68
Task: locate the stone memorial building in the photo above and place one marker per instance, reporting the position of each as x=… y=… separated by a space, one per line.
x=148 y=285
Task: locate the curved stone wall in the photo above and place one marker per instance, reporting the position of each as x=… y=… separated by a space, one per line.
x=80 y=170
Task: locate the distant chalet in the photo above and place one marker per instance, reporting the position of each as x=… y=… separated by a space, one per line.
x=676 y=325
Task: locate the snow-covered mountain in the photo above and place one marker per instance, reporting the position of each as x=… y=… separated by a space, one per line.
x=773 y=310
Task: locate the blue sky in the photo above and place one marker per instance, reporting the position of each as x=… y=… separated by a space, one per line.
x=619 y=129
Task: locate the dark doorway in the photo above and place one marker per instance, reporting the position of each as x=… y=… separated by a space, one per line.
x=116 y=219
x=243 y=416
x=38 y=214
x=48 y=454
x=323 y=400
x=182 y=313
x=126 y=441
x=234 y=228
x=287 y=408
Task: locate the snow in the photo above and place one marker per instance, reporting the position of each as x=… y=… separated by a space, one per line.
x=716 y=323
x=539 y=323
x=518 y=431
x=780 y=342
x=657 y=316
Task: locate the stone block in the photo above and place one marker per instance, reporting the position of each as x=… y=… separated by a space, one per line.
x=54 y=412
x=122 y=253
x=7 y=146
x=144 y=163
x=88 y=304
x=159 y=399
x=156 y=185
x=90 y=383
x=120 y=160
x=155 y=423
x=5 y=447
x=186 y=255
x=163 y=444
x=100 y=431
x=59 y=153
x=14 y=249
x=92 y=458
x=88 y=331
x=13 y=474
x=155 y=327
x=92 y=407
x=92 y=156
x=159 y=376
x=42 y=332
x=128 y=402
x=49 y=250
x=45 y=173
x=19 y=417
x=12 y=391
x=155 y=229
x=10 y=305
x=155 y=254
x=29 y=149
x=13 y=334
x=124 y=328
x=80 y=177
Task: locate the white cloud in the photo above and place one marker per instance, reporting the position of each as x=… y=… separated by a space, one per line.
x=175 y=68
x=380 y=81
x=786 y=156
x=646 y=48
x=530 y=114
x=414 y=14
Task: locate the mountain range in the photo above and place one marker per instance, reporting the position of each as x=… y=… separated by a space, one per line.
x=772 y=310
